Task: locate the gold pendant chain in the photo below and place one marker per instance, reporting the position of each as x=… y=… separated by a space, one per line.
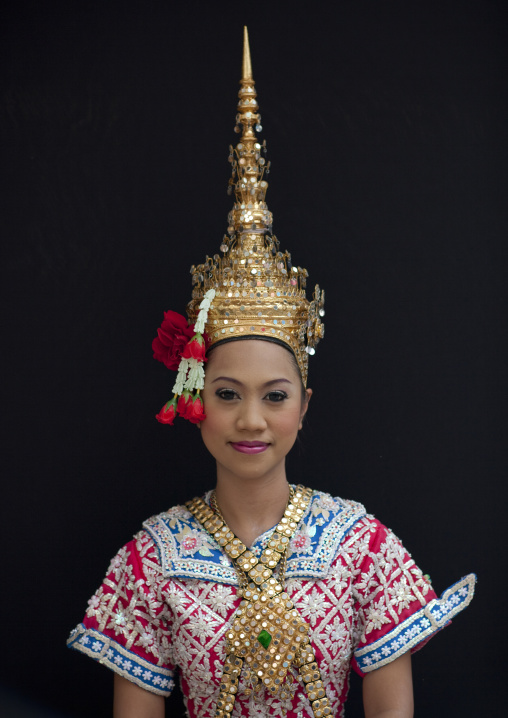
x=267 y=634
x=242 y=579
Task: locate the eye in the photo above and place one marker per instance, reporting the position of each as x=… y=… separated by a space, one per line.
x=226 y=394
x=276 y=396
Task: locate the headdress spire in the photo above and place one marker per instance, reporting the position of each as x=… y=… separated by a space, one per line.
x=248 y=164
x=246 y=64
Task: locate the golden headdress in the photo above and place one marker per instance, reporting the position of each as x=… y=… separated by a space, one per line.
x=258 y=291
x=252 y=290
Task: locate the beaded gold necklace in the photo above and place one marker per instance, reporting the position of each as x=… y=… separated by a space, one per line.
x=267 y=635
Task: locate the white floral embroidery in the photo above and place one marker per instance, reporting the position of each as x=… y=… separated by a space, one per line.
x=200 y=682
x=326 y=501
x=313 y=606
x=303 y=705
x=376 y=616
x=294 y=585
x=117 y=563
x=339 y=578
x=366 y=578
x=335 y=634
x=401 y=594
x=182 y=653
x=120 y=619
x=279 y=707
x=222 y=599
x=94 y=602
x=176 y=600
x=146 y=639
x=203 y=626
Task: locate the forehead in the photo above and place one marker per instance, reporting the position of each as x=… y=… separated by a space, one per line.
x=249 y=356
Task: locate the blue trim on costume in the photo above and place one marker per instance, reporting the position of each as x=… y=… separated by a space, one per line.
x=418 y=627
x=326 y=529
x=164 y=528
x=326 y=538
x=124 y=662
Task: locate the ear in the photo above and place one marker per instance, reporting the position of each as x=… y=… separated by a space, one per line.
x=305 y=406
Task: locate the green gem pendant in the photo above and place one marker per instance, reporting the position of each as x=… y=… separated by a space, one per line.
x=265 y=638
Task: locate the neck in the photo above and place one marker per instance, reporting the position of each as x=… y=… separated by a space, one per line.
x=251 y=508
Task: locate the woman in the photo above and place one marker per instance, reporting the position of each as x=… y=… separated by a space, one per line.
x=261 y=595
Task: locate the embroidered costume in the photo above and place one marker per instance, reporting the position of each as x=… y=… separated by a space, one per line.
x=274 y=629
x=166 y=603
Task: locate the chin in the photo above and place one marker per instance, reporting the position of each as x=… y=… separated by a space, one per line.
x=250 y=468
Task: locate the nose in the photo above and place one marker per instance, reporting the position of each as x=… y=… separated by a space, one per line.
x=251 y=416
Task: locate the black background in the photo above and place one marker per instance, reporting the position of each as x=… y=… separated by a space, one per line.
x=386 y=128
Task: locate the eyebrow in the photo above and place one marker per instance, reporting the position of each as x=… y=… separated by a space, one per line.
x=239 y=383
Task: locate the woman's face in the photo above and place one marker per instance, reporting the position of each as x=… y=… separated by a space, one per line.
x=254 y=408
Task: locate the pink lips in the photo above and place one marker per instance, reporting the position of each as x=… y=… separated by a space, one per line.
x=249 y=447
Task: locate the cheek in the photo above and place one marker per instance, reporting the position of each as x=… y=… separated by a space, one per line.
x=210 y=438
x=289 y=422
x=213 y=427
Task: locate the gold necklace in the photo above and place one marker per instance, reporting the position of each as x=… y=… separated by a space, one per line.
x=267 y=635
x=283 y=562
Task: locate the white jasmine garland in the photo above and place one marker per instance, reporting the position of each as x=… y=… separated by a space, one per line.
x=181 y=376
x=191 y=374
x=207 y=299
x=196 y=377
x=199 y=326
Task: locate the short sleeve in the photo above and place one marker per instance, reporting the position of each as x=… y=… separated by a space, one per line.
x=127 y=626
x=397 y=609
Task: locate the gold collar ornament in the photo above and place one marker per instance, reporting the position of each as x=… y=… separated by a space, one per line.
x=267 y=634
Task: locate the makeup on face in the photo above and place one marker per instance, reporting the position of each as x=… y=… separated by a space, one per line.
x=250 y=447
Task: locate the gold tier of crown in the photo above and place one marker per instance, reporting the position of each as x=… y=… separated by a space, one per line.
x=259 y=291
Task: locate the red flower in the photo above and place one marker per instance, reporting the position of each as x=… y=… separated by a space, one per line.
x=168 y=413
x=195 y=410
x=183 y=401
x=172 y=338
x=196 y=348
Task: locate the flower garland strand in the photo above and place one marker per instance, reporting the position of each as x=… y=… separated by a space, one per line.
x=190 y=378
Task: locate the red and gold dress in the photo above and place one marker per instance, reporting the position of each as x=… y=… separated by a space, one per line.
x=169 y=595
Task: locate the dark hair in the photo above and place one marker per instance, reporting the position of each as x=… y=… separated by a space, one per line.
x=295 y=364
